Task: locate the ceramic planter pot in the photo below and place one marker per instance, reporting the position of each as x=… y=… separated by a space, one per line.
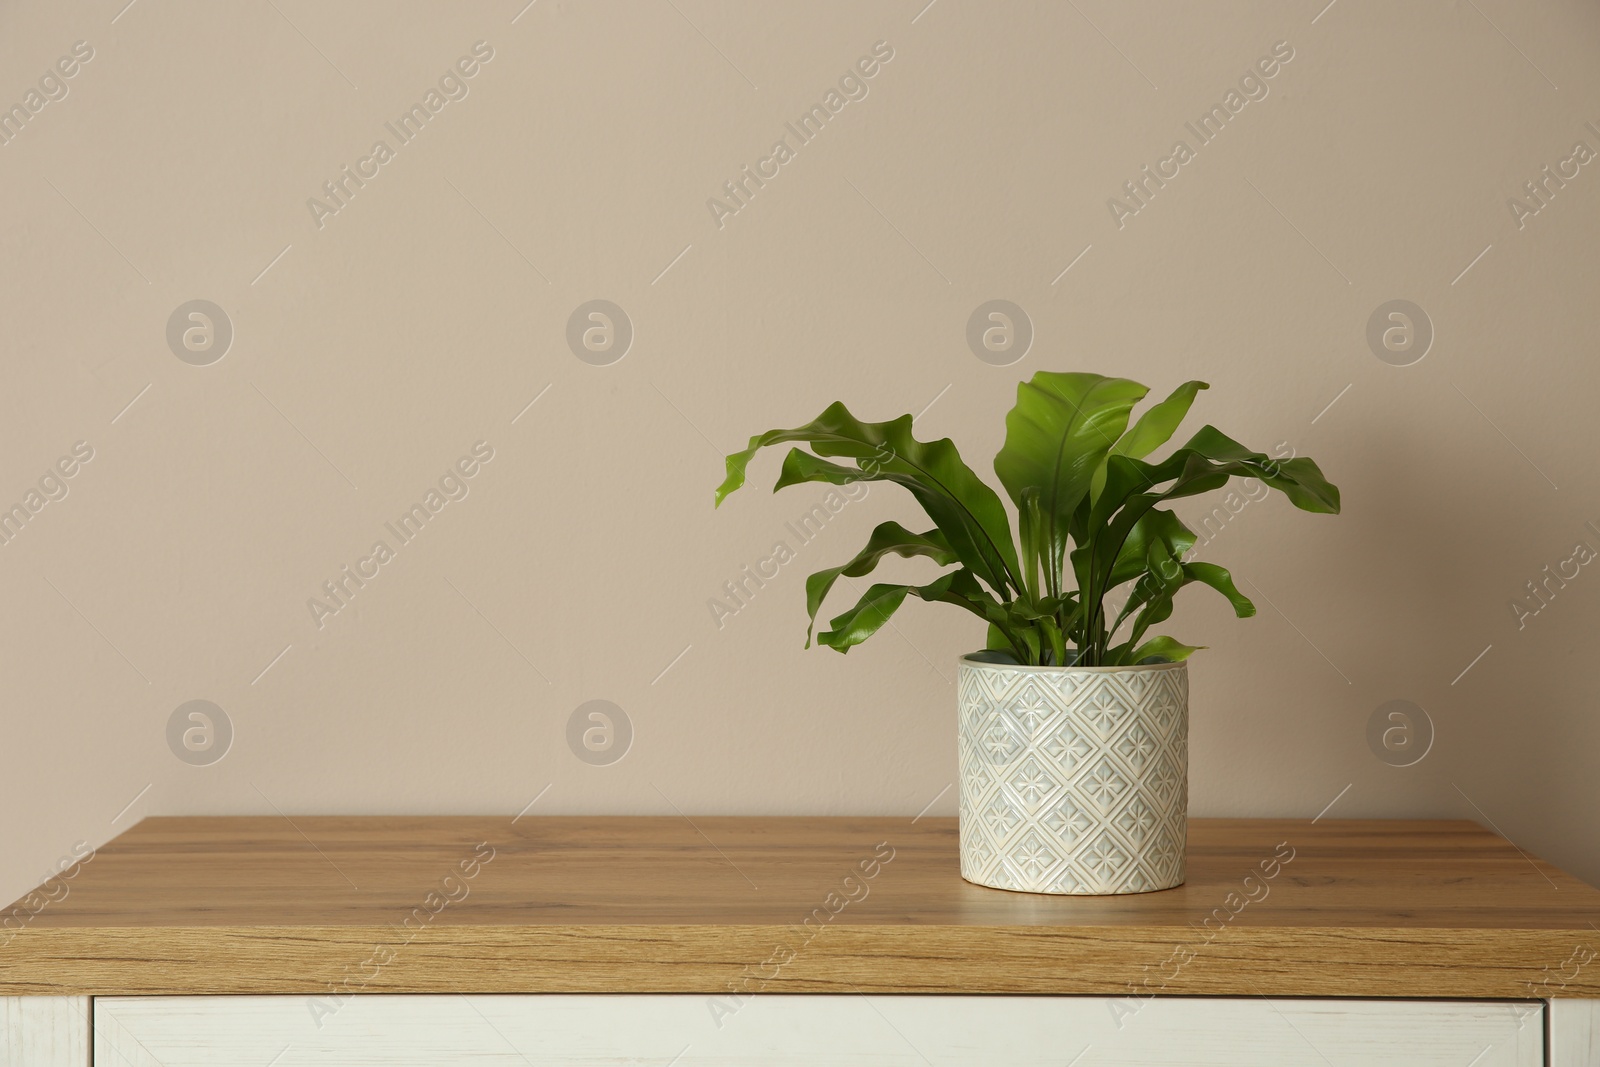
x=1074 y=779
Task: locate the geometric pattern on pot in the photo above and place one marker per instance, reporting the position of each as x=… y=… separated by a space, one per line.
x=1074 y=779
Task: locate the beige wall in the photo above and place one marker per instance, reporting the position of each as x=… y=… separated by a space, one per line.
x=425 y=315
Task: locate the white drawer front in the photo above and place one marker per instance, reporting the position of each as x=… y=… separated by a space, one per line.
x=44 y=1031
x=810 y=1031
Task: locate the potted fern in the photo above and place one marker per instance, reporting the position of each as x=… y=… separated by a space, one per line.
x=1073 y=720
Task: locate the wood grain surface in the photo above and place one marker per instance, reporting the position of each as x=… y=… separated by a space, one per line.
x=483 y=904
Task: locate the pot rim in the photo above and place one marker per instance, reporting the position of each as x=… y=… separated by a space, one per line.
x=967 y=660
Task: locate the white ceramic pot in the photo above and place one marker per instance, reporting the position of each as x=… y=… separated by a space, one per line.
x=1074 y=779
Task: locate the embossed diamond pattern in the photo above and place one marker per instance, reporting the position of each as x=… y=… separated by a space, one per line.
x=1073 y=781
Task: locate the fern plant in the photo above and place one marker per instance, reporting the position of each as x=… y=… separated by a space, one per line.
x=1089 y=521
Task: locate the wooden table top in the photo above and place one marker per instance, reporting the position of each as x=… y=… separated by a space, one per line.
x=729 y=906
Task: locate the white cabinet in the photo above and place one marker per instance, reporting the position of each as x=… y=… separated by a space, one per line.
x=44 y=1031
x=1574 y=1033
x=811 y=1031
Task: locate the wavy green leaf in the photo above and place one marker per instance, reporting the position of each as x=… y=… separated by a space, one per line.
x=1206 y=462
x=1057 y=436
x=889 y=538
x=1165 y=649
x=1152 y=429
x=1156 y=526
x=970 y=513
x=1157 y=425
x=1219 y=579
x=874 y=609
